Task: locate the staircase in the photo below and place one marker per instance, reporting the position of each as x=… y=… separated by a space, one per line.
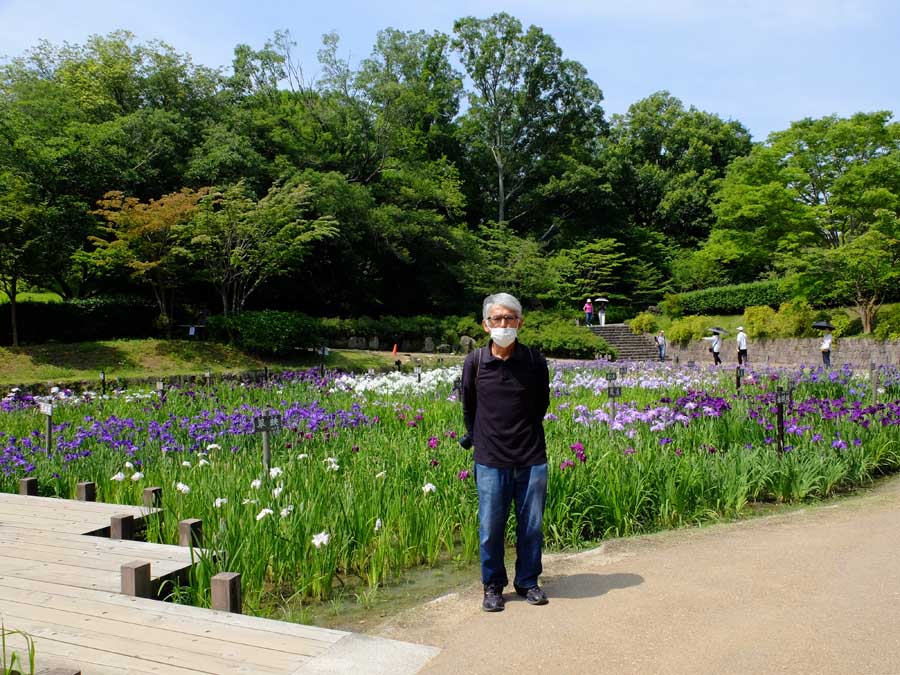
x=631 y=347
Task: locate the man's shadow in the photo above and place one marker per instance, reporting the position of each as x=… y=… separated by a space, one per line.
x=588 y=585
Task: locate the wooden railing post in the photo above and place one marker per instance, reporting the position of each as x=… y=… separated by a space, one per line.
x=121 y=527
x=226 y=592
x=86 y=491
x=190 y=532
x=136 y=579
x=28 y=487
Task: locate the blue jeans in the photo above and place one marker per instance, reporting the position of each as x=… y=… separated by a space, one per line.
x=497 y=489
x=826 y=358
x=587 y=318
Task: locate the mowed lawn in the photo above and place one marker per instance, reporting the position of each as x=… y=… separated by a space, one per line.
x=83 y=361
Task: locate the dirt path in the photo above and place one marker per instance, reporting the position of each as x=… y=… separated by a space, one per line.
x=815 y=590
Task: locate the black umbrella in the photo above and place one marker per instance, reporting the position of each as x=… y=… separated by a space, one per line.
x=822 y=325
x=720 y=331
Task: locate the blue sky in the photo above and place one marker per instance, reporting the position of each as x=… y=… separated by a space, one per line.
x=764 y=63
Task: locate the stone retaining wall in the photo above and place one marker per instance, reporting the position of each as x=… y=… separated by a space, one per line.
x=794 y=351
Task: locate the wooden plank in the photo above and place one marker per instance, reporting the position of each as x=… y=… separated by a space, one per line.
x=32 y=503
x=63 y=527
x=194 y=613
x=10 y=514
x=99 y=560
x=66 y=575
x=80 y=542
x=161 y=642
x=50 y=653
x=147 y=652
x=150 y=617
x=9 y=498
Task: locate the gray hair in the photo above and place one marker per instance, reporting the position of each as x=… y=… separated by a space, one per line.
x=503 y=299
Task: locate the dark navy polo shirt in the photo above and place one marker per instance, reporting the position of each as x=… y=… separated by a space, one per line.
x=504 y=406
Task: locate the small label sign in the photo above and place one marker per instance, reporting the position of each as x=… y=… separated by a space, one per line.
x=614 y=392
x=623 y=371
x=46 y=409
x=612 y=376
x=266 y=423
x=371 y=372
x=417 y=370
x=160 y=385
x=782 y=396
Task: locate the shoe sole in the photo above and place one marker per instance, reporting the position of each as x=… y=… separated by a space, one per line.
x=492 y=609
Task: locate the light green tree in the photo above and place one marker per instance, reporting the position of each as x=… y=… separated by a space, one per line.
x=243 y=242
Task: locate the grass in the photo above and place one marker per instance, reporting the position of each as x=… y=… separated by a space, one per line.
x=32 y=297
x=77 y=362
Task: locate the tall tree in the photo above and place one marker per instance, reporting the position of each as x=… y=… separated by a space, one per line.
x=528 y=107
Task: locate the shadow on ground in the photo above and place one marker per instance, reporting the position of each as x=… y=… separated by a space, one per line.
x=81 y=356
x=589 y=585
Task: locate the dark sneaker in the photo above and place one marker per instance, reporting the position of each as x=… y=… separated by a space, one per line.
x=493 y=598
x=533 y=596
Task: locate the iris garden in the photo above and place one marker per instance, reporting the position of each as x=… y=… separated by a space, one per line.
x=367 y=479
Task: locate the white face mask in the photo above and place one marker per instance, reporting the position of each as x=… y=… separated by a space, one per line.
x=504 y=337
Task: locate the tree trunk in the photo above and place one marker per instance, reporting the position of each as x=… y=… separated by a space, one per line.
x=12 y=312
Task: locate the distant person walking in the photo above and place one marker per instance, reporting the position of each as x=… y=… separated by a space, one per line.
x=715 y=347
x=661 y=345
x=826 y=348
x=741 y=346
x=588 y=312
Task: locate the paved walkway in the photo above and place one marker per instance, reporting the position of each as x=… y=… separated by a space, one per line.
x=814 y=590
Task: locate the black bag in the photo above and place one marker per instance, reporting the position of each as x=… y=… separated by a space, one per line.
x=710 y=350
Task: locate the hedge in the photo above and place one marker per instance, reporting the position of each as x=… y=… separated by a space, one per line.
x=282 y=333
x=79 y=320
x=732 y=299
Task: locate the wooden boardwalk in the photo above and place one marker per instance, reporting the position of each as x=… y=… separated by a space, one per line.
x=62 y=588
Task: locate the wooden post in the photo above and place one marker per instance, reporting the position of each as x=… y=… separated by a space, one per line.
x=28 y=487
x=226 y=592
x=190 y=532
x=86 y=491
x=153 y=497
x=136 y=579
x=121 y=527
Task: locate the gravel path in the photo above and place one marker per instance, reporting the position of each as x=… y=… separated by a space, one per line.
x=811 y=590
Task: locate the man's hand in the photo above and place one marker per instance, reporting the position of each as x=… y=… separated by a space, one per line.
x=466 y=442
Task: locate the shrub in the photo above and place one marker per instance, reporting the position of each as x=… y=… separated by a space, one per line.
x=689 y=328
x=560 y=337
x=733 y=299
x=672 y=306
x=759 y=321
x=845 y=325
x=887 y=323
x=794 y=319
x=644 y=322
x=268 y=332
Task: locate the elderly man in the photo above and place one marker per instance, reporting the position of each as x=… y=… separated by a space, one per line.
x=506 y=392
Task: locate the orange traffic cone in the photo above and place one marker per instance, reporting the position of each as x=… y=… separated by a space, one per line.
x=394 y=352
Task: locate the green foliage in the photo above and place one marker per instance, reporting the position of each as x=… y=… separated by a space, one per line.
x=556 y=335
x=688 y=328
x=887 y=325
x=733 y=299
x=844 y=325
x=794 y=319
x=645 y=322
x=672 y=305
x=759 y=321
x=80 y=320
x=268 y=332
